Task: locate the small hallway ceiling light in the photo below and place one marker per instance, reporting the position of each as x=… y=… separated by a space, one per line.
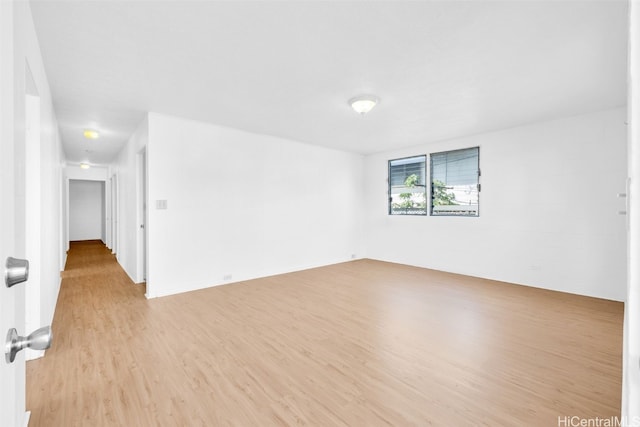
x=91 y=134
x=84 y=165
x=364 y=103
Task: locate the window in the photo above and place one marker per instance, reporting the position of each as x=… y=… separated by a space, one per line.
x=455 y=183
x=407 y=186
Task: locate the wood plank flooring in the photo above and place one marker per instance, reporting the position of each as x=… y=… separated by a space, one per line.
x=364 y=343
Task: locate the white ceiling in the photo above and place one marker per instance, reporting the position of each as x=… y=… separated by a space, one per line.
x=442 y=69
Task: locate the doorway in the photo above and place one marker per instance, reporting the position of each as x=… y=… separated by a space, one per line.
x=87 y=210
x=113 y=186
x=142 y=219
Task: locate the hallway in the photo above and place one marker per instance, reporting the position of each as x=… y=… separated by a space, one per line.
x=84 y=378
x=359 y=343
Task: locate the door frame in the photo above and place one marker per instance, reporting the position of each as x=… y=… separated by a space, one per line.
x=142 y=254
x=113 y=189
x=33 y=211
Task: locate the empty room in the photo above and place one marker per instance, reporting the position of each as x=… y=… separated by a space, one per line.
x=321 y=213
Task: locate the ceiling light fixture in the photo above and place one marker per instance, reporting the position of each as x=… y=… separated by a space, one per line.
x=91 y=134
x=364 y=103
x=84 y=165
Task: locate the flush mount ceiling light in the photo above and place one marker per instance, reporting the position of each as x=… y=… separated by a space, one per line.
x=364 y=103
x=91 y=134
x=84 y=165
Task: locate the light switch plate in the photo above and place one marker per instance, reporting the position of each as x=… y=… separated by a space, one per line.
x=161 y=204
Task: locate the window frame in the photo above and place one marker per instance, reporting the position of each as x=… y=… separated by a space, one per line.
x=431 y=187
x=389 y=187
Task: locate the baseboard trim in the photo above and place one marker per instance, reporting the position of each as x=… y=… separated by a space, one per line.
x=27 y=416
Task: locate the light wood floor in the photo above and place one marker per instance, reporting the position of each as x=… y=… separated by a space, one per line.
x=364 y=343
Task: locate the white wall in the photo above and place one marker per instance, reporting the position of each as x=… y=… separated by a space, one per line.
x=128 y=227
x=46 y=222
x=548 y=209
x=86 y=210
x=94 y=173
x=250 y=205
x=631 y=355
x=244 y=205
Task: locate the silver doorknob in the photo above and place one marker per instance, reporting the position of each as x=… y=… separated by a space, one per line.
x=40 y=339
x=15 y=271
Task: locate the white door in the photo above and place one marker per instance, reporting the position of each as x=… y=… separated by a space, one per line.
x=12 y=375
x=12 y=300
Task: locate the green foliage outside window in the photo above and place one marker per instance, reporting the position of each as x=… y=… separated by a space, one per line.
x=408 y=201
x=440 y=195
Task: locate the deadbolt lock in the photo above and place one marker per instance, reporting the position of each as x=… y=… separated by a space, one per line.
x=15 y=271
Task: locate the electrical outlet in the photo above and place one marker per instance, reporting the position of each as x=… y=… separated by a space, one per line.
x=353 y=256
x=227 y=277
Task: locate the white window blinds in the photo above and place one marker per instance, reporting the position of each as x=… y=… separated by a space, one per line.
x=455 y=185
x=407 y=186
